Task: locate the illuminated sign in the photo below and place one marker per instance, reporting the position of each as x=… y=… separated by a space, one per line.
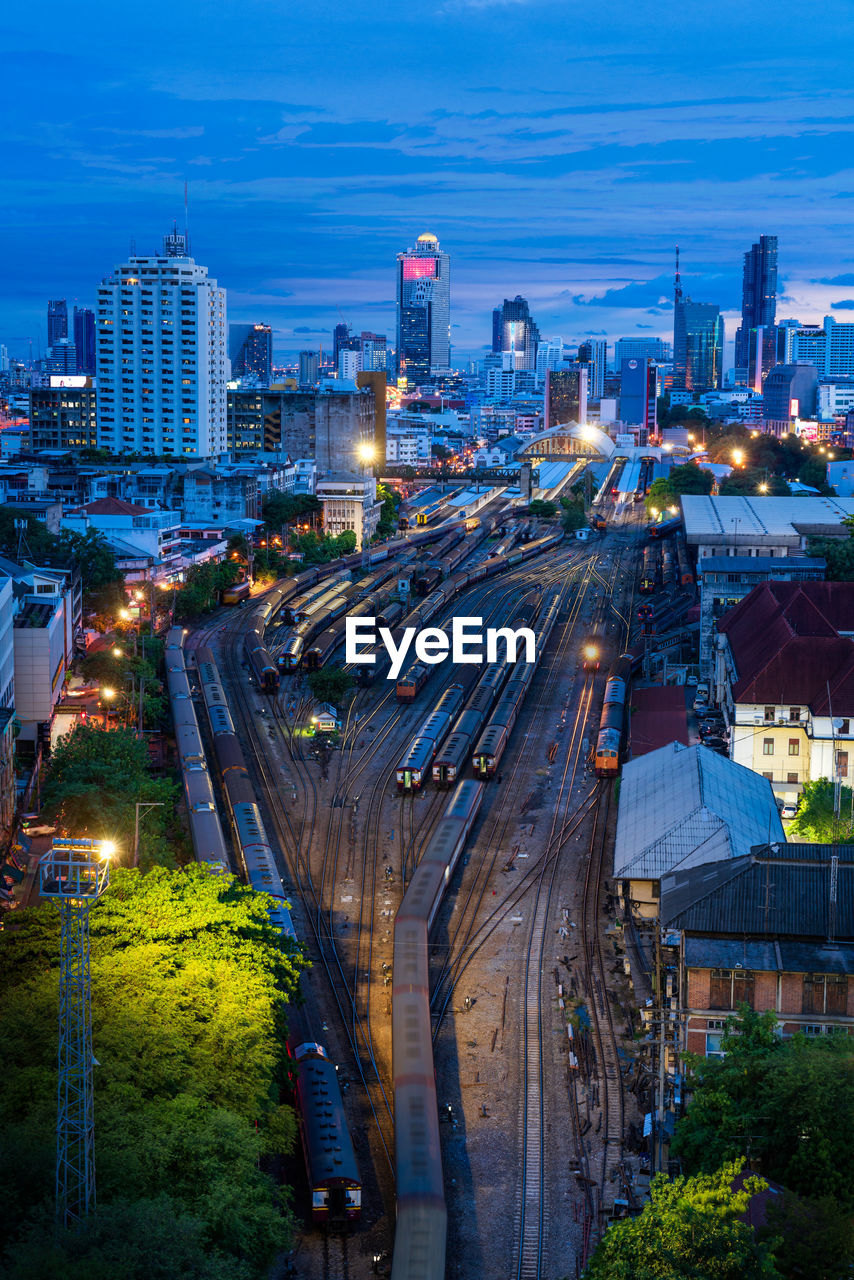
x=419 y=268
x=70 y=380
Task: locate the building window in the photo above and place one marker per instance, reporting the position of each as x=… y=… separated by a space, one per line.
x=730 y=987
x=791 y=777
x=794 y=747
x=794 y=715
x=842 y=764
x=845 y=728
x=767 y=746
x=769 y=715
x=825 y=993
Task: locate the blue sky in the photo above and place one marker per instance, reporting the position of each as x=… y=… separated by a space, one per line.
x=559 y=150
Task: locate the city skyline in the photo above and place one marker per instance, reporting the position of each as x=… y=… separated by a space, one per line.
x=302 y=191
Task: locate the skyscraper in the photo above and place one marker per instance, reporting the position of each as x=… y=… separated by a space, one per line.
x=57 y=321
x=373 y=347
x=250 y=350
x=566 y=396
x=640 y=348
x=423 y=310
x=342 y=341
x=309 y=368
x=594 y=353
x=84 y=339
x=753 y=358
x=161 y=360
x=698 y=342
x=515 y=332
x=639 y=393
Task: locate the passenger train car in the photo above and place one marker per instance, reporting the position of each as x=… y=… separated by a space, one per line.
x=609 y=739
x=414 y=767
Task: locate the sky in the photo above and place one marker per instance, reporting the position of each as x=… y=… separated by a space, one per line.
x=558 y=150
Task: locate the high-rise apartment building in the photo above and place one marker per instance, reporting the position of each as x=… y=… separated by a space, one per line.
x=423 y=310
x=549 y=356
x=161 y=360
x=62 y=358
x=641 y=349
x=829 y=346
x=342 y=340
x=515 y=332
x=57 y=321
x=250 y=350
x=566 y=396
x=754 y=357
x=84 y=340
x=594 y=353
x=373 y=350
x=63 y=417
x=309 y=368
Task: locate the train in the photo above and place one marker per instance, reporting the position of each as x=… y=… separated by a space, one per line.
x=664 y=527
x=650 y=569
x=668 y=569
x=410 y=684
x=421 y=1219
x=417 y=759
x=333 y=1176
x=686 y=573
x=591 y=650
x=492 y=743
x=451 y=759
x=237 y=592
x=609 y=739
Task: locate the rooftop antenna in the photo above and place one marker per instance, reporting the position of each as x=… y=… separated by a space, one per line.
x=677 y=284
x=186 y=222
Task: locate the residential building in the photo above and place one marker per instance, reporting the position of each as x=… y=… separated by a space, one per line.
x=756 y=354
x=376 y=383
x=566 y=396
x=730 y=526
x=784 y=676
x=836 y=398
x=342 y=340
x=280 y=423
x=515 y=333
x=641 y=349
x=828 y=346
x=639 y=393
x=344 y=426
x=789 y=393
x=681 y=807
x=773 y=930
x=309 y=368
x=373 y=352
x=349 y=502
x=549 y=357
x=64 y=417
x=423 y=336
x=162 y=361
x=84 y=340
x=349 y=364
x=785 y=336
x=594 y=353
x=62 y=359
x=219 y=497
x=57 y=321
x=147 y=543
x=250 y=350
x=725 y=580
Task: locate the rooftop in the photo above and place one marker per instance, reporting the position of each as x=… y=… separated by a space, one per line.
x=111 y=507
x=761 y=518
x=762 y=564
x=684 y=806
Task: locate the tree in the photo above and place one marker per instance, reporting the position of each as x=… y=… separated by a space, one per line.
x=689 y=478
x=839 y=555
x=390 y=499
x=752 y=481
x=542 y=508
x=330 y=684
x=787 y=1102
x=94 y=780
x=190 y=984
x=203 y=586
x=573 y=515
x=816 y=1241
x=279 y=508
x=689 y=1227
x=661 y=496
x=816 y=819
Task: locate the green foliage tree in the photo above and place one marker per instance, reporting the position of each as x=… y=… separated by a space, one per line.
x=390 y=499
x=330 y=684
x=94 y=781
x=839 y=555
x=542 y=507
x=815 y=1240
x=689 y=1227
x=661 y=496
x=689 y=478
x=813 y=471
x=321 y=549
x=816 y=819
x=120 y=667
x=752 y=481
x=573 y=515
x=279 y=508
x=190 y=983
x=203 y=587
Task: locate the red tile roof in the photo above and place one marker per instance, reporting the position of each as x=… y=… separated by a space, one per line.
x=658 y=717
x=112 y=507
x=785 y=642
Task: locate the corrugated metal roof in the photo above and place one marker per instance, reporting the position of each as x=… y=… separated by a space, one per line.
x=688 y=805
x=768 y=957
x=782 y=891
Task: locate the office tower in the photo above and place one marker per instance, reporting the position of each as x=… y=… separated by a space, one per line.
x=566 y=396
x=309 y=368
x=517 y=335
x=84 y=340
x=790 y=393
x=250 y=350
x=62 y=359
x=594 y=353
x=549 y=356
x=63 y=417
x=57 y=321
x=423 y=310
x=341 y=340
x=373 y=351
x=641 y=349
x=829 y=346
x=758 y=311
x=349 y=364
x=162 y=360
x=639 y=393
x=698 y=341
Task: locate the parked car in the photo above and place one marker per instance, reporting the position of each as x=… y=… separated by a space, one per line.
x=716 y=743
x=788 y=811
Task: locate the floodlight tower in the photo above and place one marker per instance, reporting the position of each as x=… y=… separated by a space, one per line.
x=74 y=874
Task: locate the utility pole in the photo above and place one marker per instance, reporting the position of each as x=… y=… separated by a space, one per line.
x=74 y=874
x=146 y=805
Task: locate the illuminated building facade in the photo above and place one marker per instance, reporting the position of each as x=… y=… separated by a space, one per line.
x=515 y=333
x=423 y=311
x=250 y=349
x=755 y=351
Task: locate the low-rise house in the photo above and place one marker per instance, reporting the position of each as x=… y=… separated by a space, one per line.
x=147 y=542
x=784 y=676
x=683 y=807
x=349 y=503
x=773 y=929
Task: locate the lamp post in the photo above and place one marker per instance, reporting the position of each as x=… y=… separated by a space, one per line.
x=74 y=873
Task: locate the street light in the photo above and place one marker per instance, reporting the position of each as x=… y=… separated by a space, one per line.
x=738 y=456
x=118 y=653
x=763 y=488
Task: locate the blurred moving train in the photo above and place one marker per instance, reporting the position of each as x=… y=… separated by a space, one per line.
x=609 y=739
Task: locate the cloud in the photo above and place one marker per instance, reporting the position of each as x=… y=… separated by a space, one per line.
x=844 y=304
x=307 y=328
x=847 y=278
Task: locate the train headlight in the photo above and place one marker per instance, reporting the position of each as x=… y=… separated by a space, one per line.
x=591 y=652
